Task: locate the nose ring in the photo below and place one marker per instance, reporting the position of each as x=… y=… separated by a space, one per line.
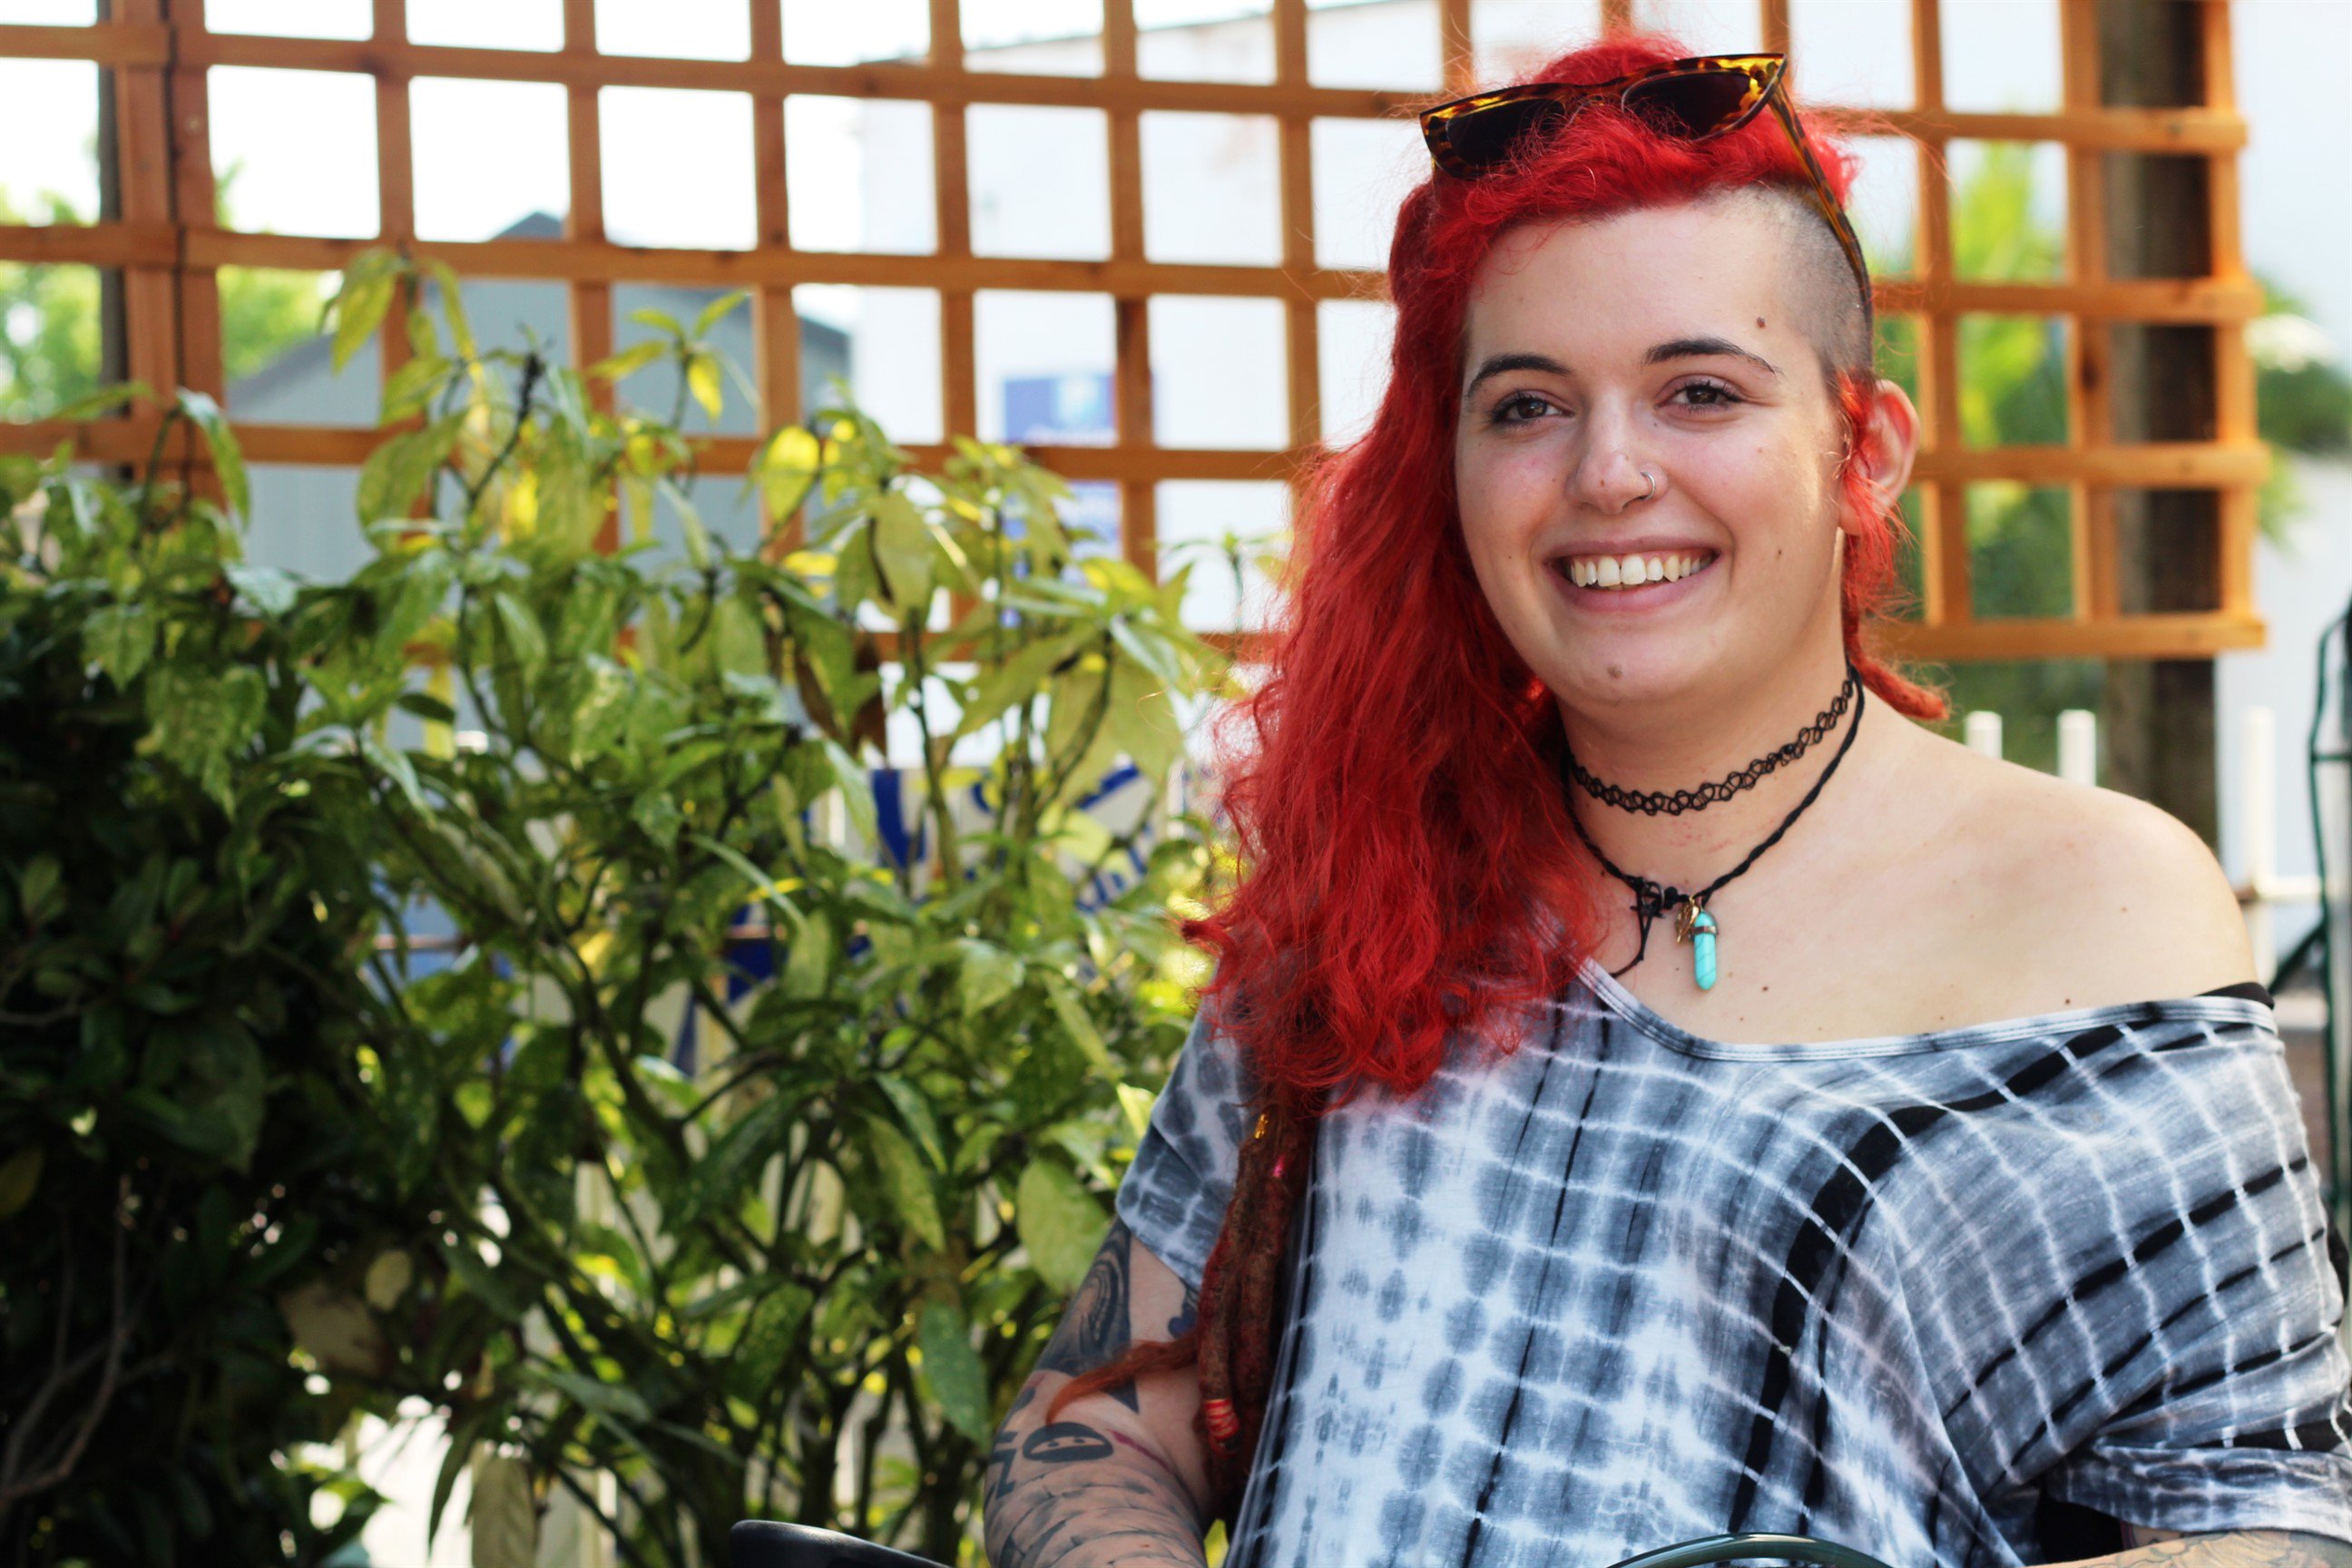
x=1651 y=479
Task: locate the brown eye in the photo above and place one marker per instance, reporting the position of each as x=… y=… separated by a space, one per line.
x=1520 y=408
x=1707 y=394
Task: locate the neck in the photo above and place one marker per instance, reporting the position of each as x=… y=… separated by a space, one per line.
x=1661 y=749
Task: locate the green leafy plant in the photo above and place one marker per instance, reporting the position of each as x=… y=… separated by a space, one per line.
x=754 y=1159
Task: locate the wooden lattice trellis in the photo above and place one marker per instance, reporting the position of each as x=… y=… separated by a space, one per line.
x=167 y=248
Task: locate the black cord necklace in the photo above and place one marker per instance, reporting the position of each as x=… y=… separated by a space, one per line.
x=1693 y=923
x=1716 y=791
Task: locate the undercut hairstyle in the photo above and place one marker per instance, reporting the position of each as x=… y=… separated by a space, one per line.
x=1407 y=860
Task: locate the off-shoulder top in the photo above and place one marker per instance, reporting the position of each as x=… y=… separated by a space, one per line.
x=1620 y=1286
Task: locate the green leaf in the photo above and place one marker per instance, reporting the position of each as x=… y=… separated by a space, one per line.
x=104 y=401
x=20 y=1177
x=1018 y=678
x=904 y=1181
x=359 y=305
x=336 y=1328
x=902 y=547
x=1136 y=1104
x=735 y=1159
x=453 y=305
x=689 y=522
x=857 y=790
x=988 y=975
x=717 y=309
x=702 y=382
x=787 y=466
x=120 y=637
x=413 y=386
x=1061 y=1224
x=394 y=765
x=1072 y=1012
x=39 y=886
x=397 y=472
x=953 y=1367
x=453 y=1460
x=228 y=460
x=629 y=361
x=526 y=640
x=594 y=1394
x=504 y=1521
x=916 y=1112
x=811 y=960
x=659 y=320
x=265 y=588
x=480 y=1278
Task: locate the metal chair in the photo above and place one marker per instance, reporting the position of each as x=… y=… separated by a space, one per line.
x=761 y=1543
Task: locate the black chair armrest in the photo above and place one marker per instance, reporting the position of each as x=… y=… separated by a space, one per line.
x=762 y=1543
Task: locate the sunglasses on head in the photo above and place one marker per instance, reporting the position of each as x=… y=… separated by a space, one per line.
x=1689 y=99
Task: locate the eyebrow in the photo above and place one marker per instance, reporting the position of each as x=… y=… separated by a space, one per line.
x=1703 y=348
x=1677 y=348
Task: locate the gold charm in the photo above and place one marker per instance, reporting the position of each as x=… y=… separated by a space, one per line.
x=1686 y=918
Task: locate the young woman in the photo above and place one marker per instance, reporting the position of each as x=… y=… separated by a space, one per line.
x=1651 y=1087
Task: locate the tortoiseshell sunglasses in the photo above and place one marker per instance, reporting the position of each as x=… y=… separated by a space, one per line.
x=1690 y=100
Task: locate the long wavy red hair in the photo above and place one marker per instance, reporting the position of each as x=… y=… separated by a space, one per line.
x=1407 y=861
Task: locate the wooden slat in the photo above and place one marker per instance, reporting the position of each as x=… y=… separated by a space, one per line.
x=2191 y=129
x=196 y=284
x=137 y=39
x=1460 y=59
x=142 y=112
x=1943 y=513
x=950 y=169
x=396 y=196
x=1773 y=26
x=2191 y=465
x=2089 y=516
x=2234 y=368
x=1302 y=349
x=1139 y=500
x=775 y=324
x=2183 y=301
x=2176 y=635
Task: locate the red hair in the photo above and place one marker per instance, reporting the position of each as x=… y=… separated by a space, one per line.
x=1399 y=814
x=1408 y=861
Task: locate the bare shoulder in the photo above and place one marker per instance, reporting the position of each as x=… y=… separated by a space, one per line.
x=2082 y=897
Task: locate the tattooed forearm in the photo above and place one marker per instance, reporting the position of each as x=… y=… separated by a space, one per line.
x=1067 y=1500
x=1186 y=1315
x=1093 y=1329
x=2232 y=1549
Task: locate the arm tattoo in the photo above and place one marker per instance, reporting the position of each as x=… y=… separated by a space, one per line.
x=1093 y=1329
x=1069 y=1510
x=1181 y=1323
x=2234 y=1548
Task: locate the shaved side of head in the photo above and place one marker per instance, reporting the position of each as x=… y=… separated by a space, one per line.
x=1821 y=283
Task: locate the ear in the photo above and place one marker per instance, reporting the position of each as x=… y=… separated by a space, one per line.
x=1883 y=445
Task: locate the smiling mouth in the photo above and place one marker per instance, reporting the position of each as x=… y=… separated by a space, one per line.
x=1632 y=571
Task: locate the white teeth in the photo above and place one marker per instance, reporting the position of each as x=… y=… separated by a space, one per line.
x=1631 y=571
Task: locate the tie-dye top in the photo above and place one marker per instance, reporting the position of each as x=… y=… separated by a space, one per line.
x=1923 y=1295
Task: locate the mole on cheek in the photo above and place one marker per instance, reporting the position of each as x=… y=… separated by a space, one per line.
x=1759 y=323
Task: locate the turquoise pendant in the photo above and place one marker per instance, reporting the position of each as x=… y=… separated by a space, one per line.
x=1697 y=927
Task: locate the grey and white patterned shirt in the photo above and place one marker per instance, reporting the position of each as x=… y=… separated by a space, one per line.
x=1624 y=1286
